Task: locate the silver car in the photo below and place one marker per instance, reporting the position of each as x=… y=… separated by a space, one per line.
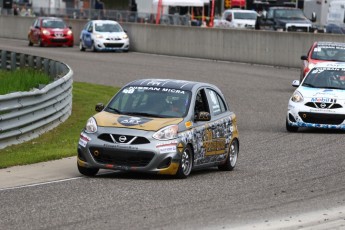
x=160 y=126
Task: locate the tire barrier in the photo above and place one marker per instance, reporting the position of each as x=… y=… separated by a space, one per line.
x=26 y=115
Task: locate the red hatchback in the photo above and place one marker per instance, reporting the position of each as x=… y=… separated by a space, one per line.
x=50 y=31
x=322 y=52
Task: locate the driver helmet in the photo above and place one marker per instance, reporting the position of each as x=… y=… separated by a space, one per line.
x=331 y=53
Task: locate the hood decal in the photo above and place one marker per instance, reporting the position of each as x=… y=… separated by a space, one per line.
x=106 y=119
x=132 y=121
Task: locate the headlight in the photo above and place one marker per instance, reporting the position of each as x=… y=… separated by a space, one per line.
x=166 y=133
x=125 y=36
x=311 y=65
x=297 y=97
x=98 y=36
x=69 y=32
x=45 y=32
x=91 y=125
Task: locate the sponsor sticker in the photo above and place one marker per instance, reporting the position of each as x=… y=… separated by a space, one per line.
x=131 y=121
x=323 y=100
x=167 y=149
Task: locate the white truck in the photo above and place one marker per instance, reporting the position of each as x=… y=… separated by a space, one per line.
x=319 y=8
x=336 y=17
x=237 y=18
x=49 y=7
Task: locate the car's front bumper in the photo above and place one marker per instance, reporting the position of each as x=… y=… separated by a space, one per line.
x=57 y=41
x=161 y=157
x=300 y=115
x=112 y=45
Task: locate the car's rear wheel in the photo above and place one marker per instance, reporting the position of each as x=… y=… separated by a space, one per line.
x=290 y=128
x=231 y=160
x=81 y=46
x=186 y=163
x=87 y=171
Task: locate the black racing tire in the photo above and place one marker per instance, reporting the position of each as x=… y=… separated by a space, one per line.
x=40 y=43
x=231 y=159
x=290 y=128
x=87 y=171
x=186 y=163
x=93 y=47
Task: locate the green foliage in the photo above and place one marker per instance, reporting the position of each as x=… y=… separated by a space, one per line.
x=62 y=141
x=21 y=80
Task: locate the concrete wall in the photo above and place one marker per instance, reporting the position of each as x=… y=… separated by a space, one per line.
x=256 y=47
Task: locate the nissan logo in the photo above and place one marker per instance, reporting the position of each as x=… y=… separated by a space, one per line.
x=122 y=139
x=323 y=105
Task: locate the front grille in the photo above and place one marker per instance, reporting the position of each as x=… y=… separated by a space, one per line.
x=113 y=45
x=123 y=139
x=113 y=39
x=60 y=40
x=320 y=118
x=298 y=29
x=323 y=105
x=121 y=157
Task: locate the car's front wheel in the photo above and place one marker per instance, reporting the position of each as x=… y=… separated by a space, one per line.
x=40 y=43
x=231 y=160
x=186 y=163
x=87 y=171
x=81 y=46
x=290 y=128
x=93 y=47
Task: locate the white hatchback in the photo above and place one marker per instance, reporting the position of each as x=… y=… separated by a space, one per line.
x=103 y=35
x=319 y=100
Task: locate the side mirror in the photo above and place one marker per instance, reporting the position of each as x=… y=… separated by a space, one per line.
x=99 y=107
x=89 y=30
x=304 y=57
x=313 y=17
x=203 y=116
x=70 y=27
x=37 y=27
x=295 y=83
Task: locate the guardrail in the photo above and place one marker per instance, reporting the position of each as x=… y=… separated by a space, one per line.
x=26 y=115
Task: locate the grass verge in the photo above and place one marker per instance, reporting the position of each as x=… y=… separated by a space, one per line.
x=21 y=80
x=62 y=141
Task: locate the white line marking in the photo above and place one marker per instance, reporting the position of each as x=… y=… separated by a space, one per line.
x=51 y=182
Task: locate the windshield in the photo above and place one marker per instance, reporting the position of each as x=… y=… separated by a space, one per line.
x=329 y=78
x=289 y=14
x=108 y=27
x=245 y=15
x=329 y=53
x=150 y=101
x=53 y=24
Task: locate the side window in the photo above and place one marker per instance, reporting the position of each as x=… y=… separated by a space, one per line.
x=270 y=14
x=216 y=102
x=201 y=104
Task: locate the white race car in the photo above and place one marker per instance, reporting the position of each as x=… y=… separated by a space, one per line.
x=319 y=100
x=103 y=35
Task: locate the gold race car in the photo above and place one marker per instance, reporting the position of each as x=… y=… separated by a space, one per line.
x=160 y=126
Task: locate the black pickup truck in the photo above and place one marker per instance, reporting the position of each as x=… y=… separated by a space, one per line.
x=280 y=18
